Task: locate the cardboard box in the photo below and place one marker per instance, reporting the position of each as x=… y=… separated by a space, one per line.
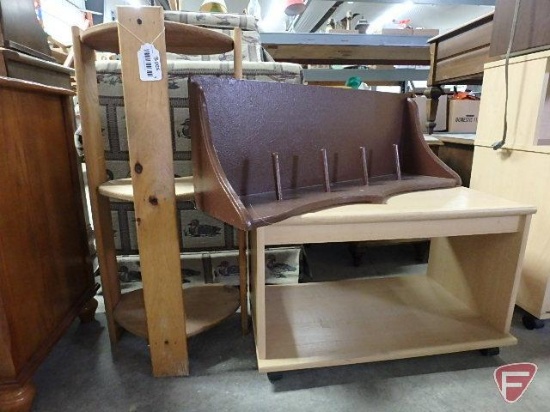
x=463 y=116
x=440 y=117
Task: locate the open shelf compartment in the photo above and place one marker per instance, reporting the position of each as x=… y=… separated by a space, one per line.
x=382 y=318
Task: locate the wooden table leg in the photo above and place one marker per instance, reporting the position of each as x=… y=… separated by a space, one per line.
x=87 y=313
x=433 y=93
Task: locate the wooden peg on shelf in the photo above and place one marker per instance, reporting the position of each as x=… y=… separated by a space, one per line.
x=397 y=162
x=364 y=165
x=277 y=172
x=325 y=169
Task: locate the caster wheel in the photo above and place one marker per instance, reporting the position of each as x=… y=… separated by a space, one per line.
x=490 y=351
x=530 y=322
x=274 y=376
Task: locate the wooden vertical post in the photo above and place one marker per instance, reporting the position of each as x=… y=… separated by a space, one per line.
x=149 y=139
x=238 y=53
x=94 y=153
x=242 y=235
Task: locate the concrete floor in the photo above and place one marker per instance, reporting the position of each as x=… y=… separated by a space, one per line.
x=83 y=374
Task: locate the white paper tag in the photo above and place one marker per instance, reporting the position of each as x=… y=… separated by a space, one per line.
x=149 y=63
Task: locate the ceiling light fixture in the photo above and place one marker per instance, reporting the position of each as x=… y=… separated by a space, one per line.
x=274 y=19
x=213 y=6
x=294 y=7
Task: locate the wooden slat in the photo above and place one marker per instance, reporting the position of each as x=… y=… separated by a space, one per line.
x=96 y=175
x=147 y=114
x=242 y=235
x=238 y=53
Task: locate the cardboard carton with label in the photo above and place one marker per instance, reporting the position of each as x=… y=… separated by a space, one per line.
x=463 y=115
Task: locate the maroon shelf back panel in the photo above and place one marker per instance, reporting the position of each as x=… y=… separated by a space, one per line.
x=237 y=125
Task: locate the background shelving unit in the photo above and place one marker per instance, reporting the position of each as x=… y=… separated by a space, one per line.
x=351 y=49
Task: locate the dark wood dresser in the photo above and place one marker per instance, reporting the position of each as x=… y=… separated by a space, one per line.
x=46 y=277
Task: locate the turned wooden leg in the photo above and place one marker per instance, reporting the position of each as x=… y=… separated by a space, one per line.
x=433 y=93
x=87 y=313
x=17 y=398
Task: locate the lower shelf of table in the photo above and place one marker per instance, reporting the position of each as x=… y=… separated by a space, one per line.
x=365 y=320
x=205 y=307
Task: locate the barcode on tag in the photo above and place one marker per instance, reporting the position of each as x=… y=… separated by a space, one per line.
x=149 y=63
